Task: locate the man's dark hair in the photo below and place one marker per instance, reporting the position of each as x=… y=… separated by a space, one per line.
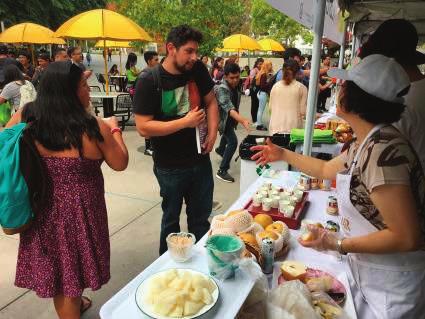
x=61 y=120
x=71 y=50
x=25 y=54
x=12 y=73
x=3 y=49
x=182 y=34
x=290 y=53
x=58 y=50
x=149 y=55
x=231 y=68
x=324 y=56
x=44 y=56
x=370 y=108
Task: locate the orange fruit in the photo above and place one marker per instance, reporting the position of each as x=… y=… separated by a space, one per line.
x=263 y=219
x=268 y=234
x=275 y=227
x=248 y=238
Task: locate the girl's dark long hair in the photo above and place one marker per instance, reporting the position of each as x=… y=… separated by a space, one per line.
x=12 y=73
x=215 y=65
x=59 y=120
x=131 y=61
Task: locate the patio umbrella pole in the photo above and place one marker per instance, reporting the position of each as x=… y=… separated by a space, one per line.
x=319 y=19
x=120 y=63
x=106 y=68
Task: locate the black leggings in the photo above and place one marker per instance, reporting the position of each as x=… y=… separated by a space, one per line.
x=254 y=106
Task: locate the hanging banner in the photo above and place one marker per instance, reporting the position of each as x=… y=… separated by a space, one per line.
x=302 y=11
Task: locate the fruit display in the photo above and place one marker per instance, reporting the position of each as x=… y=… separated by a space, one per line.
x=263 y=219
x=179 y=293
x=252 y=230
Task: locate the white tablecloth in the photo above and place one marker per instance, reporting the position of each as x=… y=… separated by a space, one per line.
x=234 y=292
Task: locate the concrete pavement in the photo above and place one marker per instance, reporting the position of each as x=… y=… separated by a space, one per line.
x=134 y=213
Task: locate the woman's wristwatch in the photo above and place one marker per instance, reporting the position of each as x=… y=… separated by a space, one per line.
x=116 y=129
x=339 y=246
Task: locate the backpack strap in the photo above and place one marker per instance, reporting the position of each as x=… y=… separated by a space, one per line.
x=157 y=82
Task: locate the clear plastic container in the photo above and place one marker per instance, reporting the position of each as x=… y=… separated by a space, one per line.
x=180 y=246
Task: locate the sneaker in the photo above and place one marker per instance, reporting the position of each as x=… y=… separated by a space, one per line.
x=217 y=151
x=224 y=176
x=148 y=152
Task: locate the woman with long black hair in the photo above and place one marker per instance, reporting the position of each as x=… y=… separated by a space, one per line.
x=131 y=70
x=66 y=250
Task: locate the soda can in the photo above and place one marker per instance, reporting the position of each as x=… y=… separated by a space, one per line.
x=314 y=183
x=305 y=182
x=332 y=206
x=332 y=226
x=326 y=184
x=267 y=251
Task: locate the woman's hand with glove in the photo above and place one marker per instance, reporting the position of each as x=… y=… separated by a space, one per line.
x=319 y=239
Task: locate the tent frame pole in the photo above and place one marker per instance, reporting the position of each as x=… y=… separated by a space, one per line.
x=319 y=19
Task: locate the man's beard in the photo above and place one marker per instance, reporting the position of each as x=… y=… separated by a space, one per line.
x=182 y=68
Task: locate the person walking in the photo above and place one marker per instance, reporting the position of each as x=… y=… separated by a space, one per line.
x=16 y=85
x=217 y=70
x=4 y=61
x=43 y=60
x=88 y=57
x=66 y=249
x=253 y=90
x=288 y=101
x=171 y=100
x=109 y=54
x=228 y=99
x=151 y=59
x=28 y=69
x=262 y=82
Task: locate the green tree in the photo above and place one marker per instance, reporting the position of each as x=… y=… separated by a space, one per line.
x=50 y=13
x=215 y=19
x=269 y=22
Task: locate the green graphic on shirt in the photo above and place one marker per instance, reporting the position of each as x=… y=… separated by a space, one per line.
x=175 y=102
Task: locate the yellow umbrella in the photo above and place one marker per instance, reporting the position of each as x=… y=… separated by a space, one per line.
x=271 y=45
x=114 y=44
x=240 y=42
x=102 y=24
x=29 y=33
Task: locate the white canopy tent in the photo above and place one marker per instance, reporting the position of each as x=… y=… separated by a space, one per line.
x=364 y=17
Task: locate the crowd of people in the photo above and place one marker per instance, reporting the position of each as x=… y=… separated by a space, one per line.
x=380 y=177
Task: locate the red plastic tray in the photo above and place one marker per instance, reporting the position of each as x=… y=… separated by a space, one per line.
x=293 y=223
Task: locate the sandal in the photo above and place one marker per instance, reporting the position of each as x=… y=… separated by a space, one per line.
x=85 y=304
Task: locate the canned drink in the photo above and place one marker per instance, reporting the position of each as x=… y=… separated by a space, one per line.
x=326 y=184
x=332 y=207
x=305 y=182
x=314 y=183
x=332 y=226
x=267 y=252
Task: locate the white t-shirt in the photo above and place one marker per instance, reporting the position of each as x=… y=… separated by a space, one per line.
x=413 y=119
